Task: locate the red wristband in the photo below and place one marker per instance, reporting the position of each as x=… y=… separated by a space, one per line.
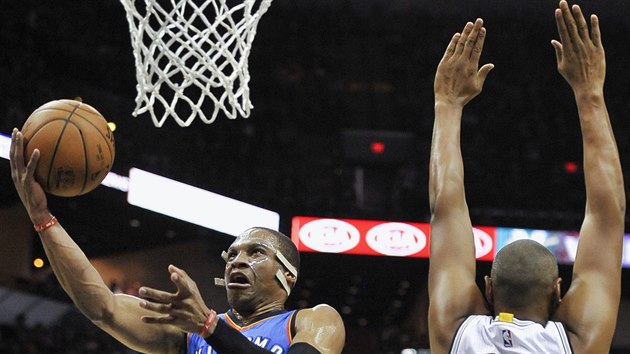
x=43 y=226
x=212 y=316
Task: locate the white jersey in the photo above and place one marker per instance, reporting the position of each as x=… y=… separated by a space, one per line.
x=486 y=334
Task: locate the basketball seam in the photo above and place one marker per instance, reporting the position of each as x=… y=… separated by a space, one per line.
x=97 y=129
x=85 y=151
x=54 y=154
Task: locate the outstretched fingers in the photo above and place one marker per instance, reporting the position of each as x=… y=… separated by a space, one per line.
x=478 y=47
x=165 y=308
x=32 y=163
x=12 y=156
x=181 y=279
x=483 y=72
x=569 y=24
x=159 y=319
x=461 y=43
x=156 y=296
x=563 y=32
x=16 y=151
x=596 y=35
x=470 y=47
x=16 y=157
x=580 y=23
x=557 y=46
x=450 y=50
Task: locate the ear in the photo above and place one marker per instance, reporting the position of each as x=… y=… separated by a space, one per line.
x=489 y=296
x=291 y=279
x=556 y=296
x=557 y=290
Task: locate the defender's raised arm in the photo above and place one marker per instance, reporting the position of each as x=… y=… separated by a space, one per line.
x=453 y=293
x=591 y=304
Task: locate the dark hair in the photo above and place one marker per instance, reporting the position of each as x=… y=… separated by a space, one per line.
x=523 y=272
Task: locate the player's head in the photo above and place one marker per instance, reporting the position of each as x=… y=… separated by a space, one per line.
x=262 y=267
x=524 y=275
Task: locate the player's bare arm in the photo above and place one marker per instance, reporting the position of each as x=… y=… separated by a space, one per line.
x=322 y=328
x=119 y=315
x=590 y=306
x=453 y=292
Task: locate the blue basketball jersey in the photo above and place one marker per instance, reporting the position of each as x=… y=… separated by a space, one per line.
x=273 y=331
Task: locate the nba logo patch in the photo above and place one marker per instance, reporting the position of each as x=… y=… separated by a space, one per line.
x=507 y=338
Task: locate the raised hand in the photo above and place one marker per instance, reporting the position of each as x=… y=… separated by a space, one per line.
x=184 y=309
x=458 y=79
x=30 y=191
x=580 y=54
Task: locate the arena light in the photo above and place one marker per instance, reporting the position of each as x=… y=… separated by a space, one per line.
x=377 y=147
x=116 y=181
x=195 y=205
x=5 y=144
x=182 y=201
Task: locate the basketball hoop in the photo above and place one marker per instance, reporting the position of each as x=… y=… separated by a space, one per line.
x=191 y=57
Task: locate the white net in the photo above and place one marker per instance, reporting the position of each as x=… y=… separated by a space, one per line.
x=191 y=57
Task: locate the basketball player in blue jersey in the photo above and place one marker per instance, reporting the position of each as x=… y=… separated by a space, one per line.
x=257 y=289
x=523 y=311
x=262 y=268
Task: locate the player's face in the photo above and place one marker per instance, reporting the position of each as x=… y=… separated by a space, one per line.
x=250 y=272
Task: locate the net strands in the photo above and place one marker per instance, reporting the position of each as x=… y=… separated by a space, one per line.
x=191 y=57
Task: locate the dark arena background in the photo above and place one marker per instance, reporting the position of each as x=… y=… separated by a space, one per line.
x=323 y=72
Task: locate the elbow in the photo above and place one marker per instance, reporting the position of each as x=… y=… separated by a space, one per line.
x=97 y=314
x=620 y=203
x=622 y=207
x=102 y=315
x=447 y=199
x=446 y=189
x=98 y=308
x=608 y=211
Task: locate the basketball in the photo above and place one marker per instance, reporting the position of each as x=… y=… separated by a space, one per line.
x=76 y=147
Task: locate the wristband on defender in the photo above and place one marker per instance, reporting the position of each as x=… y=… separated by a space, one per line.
x=45 y=225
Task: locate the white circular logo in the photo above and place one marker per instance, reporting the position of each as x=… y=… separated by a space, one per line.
x=396 y=239
x=329 y=235
x=483 y=243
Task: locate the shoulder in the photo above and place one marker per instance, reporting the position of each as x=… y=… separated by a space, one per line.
x=446 y=331
x=590 y=330
x=320 y=315
x=597 y=340
x=322 y=327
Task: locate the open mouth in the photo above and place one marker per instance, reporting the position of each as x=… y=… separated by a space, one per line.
x=238 y=281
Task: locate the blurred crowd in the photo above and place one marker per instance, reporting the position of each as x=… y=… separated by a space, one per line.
x=73 y=334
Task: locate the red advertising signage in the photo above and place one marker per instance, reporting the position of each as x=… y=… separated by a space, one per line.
x=375 y=238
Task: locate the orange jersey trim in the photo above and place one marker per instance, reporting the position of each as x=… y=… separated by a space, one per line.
x=289 y=322
x=235 y=325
